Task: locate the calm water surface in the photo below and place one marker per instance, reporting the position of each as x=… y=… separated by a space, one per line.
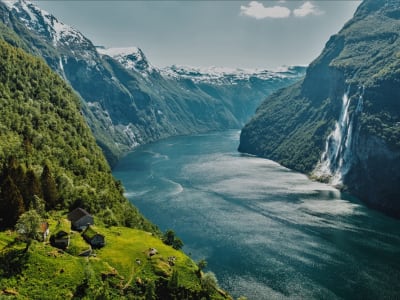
x=267 y=232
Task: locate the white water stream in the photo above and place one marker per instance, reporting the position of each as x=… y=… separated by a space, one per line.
x=337 y=157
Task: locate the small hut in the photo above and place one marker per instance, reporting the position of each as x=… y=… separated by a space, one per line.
x=61 y=237
x=80 y=219
x=95 y=239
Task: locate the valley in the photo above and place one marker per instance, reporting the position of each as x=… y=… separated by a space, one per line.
x=202 y=182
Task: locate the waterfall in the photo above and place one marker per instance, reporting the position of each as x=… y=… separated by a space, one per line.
x=337 y=157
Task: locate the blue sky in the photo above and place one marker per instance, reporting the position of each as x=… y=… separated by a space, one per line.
x=246 y=34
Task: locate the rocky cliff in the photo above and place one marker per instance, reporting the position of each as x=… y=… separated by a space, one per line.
x=127 y=101
x=342 y=122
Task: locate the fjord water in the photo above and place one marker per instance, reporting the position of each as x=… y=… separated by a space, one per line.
x=267 y=232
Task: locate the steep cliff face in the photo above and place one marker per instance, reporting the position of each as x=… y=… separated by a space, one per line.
x=126 y=101
x=341 y=123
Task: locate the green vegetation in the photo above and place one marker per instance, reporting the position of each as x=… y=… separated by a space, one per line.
x=123 y=269
x=51 y=164
x=124 y=108
x=46 y=149
x=293 y=134
x=292 y=125
x=169 y=238
x=28 y=226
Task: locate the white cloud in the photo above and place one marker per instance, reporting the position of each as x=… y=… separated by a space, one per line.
x=307 y=9
x=258 y=11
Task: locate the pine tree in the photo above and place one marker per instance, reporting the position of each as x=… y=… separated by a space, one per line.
x=11 y=203
x=31 y=189
x=49 y=188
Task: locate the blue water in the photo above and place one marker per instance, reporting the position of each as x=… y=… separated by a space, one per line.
x=267 y=232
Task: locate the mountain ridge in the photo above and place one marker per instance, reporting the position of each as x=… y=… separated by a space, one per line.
x=124 y=105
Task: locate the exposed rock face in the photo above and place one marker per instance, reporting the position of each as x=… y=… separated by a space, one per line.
x=341 y=123
x=127 y=101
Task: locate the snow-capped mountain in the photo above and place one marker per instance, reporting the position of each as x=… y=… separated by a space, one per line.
x=126 y=100
x=132 y=58
x=222 y=76
x=50 y=28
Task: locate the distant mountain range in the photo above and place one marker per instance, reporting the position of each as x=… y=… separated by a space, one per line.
x=341 y=124
x=127 y=101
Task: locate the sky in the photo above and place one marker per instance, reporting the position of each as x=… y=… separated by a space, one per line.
x=235 y=34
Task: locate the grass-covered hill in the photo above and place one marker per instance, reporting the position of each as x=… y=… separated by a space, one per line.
x=293 y=125
x=46 y=148
x=124 y=268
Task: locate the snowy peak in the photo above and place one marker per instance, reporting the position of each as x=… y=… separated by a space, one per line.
x=220 y=75
x=132 y=58
x=46 y=25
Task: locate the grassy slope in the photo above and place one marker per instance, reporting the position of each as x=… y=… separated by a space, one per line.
x=45 y=272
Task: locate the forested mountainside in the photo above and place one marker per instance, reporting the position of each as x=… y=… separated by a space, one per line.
x=342 y=122
x=126 y=102
x=50 y=164
x=47 y=149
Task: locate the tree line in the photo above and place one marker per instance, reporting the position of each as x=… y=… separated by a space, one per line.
x=22 y=189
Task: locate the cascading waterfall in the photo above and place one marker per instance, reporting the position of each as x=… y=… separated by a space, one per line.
x=336 y=159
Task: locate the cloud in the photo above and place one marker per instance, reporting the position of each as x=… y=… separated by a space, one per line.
x=258 y=11
x=307 y=9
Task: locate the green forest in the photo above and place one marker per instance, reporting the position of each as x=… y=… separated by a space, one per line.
x=48 y=151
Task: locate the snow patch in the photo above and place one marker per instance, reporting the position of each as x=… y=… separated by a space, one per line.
x=223 y=75
x=132 y=58
x=44 y=23
x=118 y=51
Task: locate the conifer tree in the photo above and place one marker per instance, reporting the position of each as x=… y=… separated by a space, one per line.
x=11 y=203
x=49 y=188
x=31 y=188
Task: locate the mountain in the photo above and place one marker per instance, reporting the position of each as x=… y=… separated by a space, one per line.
x=48 y=150
x=132 y=58
x=126 y=100
x=341 y=123
x=228 y=76
x=241 y=90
